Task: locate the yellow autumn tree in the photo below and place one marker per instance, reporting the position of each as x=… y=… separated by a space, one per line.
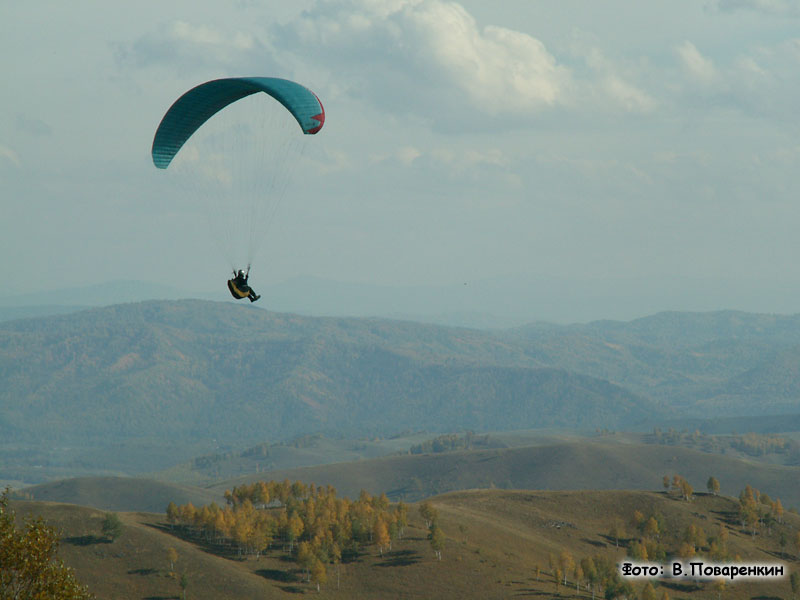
x=319 y=573
x=28 y=564
x=381 y=534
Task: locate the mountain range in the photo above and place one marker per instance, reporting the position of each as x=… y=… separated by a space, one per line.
x=192 y=370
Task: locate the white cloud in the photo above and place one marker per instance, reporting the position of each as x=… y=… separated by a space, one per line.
x=183 y=46
x=196 y=34
x=499 y=69
x=201 y=34
x=784 y=8
x=460 y=160
x=698 y=66
x=759 y=81
x=627 y=95
x=408 y=154
x=611 y=83
x=429 y=57
x=426 y=58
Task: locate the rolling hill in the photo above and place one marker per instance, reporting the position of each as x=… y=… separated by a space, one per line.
x=119 y=493
x=191 y=369
x=580 y=465
x=498 y=544
x=163 y=376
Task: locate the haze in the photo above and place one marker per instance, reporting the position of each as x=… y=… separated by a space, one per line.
x=552 y=160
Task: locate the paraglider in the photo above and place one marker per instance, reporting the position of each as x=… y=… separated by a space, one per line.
x=239 y=288
x=240 y=167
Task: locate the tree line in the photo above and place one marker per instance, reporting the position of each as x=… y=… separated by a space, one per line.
x=450 y=442
x=752 y=444
x=308 y=522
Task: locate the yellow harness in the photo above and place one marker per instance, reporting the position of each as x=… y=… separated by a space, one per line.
x=235 y=291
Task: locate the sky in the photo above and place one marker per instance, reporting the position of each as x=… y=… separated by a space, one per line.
x=550 y=159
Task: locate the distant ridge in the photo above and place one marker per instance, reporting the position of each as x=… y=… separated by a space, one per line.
x=10 y=313
x=104 y=294
x=225 y=374
x=192 y=368
x=563 y=466
x=119 y=493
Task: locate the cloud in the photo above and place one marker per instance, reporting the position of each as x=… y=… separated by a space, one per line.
x=425 y=59
x=698 y=66
x=610 y=86
x=759 y=82
x=782 y=8
x=187 y=46
x=428 y=57
x=200 y=34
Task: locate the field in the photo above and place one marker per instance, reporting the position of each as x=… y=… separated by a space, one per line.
x=496 y=541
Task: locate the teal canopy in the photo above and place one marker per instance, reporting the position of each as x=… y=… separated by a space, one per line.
x=199 y=104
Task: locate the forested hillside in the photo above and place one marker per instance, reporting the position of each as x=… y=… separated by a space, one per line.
x=222 y=375
x=182 y=370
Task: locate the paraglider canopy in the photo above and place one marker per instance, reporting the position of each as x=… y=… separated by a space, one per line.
x=199 y=104
x=233 y=150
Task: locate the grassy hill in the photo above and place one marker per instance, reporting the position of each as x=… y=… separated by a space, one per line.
x=581 y=465
x=605 y=462
x=303 y=451
x=119 y=493
x=494 y=542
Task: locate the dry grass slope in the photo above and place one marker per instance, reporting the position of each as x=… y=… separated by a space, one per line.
x=120 y=493
x=495 y=539
x=590 y=465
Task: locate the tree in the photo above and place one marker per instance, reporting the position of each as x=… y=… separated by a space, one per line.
x=590 y=573
x=686 y=490
x=336 y=559
x=713 y=485
x=401 y=516
x=686 y=550
x=567 y=563
x=778 y=509
x=294 y=530
x=318 y=573
x=437 y=540
x=172 y=514
x=112 y=526
x=638 y=551
x=28 y=558
x=305 y=557
x=184 y=583
x=680 y=484
x=381 y=534
x=794 y=581
x=648 y=592
x=172 y=557
x=651 y=527
x=429 y=513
